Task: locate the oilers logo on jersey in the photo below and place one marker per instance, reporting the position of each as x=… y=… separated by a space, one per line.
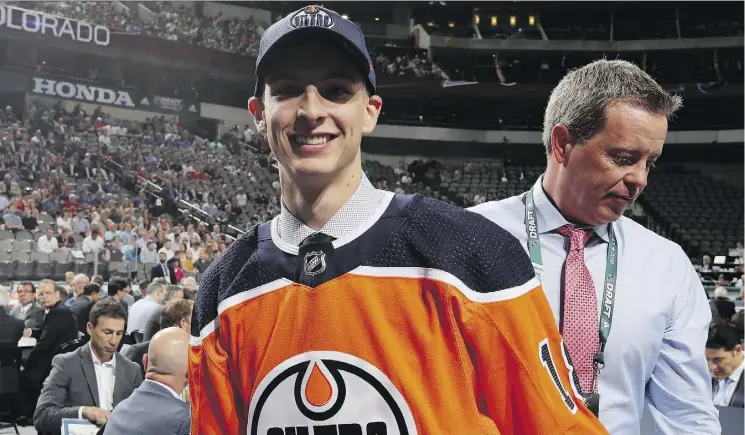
x=319 y=393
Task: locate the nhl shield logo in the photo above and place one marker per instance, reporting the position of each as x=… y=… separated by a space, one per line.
x=314 y=263
x=312 y=16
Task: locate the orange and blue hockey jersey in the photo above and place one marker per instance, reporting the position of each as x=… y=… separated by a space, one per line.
x=427 y=321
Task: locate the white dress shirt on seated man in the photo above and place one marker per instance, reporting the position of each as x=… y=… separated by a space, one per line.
x=140 y=312
x=105 y=377
x=725 y=388
x=46 y=244
x=655 y=351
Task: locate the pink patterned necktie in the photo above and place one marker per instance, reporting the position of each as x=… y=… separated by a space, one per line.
x=580 y=325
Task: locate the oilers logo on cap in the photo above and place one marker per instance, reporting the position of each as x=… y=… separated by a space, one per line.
x=312 y=16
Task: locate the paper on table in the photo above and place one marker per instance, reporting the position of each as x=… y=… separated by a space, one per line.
x=27 y=342
x=74 y=426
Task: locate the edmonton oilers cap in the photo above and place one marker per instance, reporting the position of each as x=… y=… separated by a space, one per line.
x=308 y=21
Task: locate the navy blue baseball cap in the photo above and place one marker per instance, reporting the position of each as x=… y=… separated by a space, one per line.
x=309 y=22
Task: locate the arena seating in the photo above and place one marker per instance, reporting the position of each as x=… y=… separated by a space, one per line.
x=702 y=214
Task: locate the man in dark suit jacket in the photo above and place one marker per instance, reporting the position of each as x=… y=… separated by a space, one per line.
x=175 y=314
x=81 y=384
x=163 y=269
x=724 y=306
x=83 y=306
x=156 y=407
x=727 y=362
x=58 y=328
x=11 y=329
x=28 y=309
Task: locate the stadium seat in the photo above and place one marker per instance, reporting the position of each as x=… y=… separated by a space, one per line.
x=24 y=235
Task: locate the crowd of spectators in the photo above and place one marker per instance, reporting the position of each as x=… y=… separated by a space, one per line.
x=175 y=23
x=61 y=186
x=415 y=65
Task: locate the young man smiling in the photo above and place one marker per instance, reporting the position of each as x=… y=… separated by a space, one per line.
x=357 y=311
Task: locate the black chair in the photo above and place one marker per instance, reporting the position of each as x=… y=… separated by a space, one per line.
x=70 y=346
x=138 y=336
x=10 y=374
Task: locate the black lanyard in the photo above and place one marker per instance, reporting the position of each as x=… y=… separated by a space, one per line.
x=611 y=272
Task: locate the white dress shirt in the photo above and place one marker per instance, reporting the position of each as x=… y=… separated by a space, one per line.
x=105 y=377
x=47 y=245
x=728 y=385
x=140 y=312
x=655 y=351
x=359 y=208
x=91 y=245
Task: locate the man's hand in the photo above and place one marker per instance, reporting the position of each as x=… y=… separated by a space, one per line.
x=96 y=415
x=27 y=332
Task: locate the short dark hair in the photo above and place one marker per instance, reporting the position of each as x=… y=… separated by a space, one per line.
x=116 y=284
x=174 y=312
x=90 y=289
x=722 y=335
x=107 y=308
x=29 y=284
x=98 y=279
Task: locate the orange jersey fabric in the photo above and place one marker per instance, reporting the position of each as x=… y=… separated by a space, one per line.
x=379 y=349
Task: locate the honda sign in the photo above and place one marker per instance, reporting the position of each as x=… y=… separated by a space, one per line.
x=81 y=92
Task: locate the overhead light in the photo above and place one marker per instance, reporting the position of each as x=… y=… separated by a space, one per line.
x=476 y=19
x=345 y=16
x=513 y=20
x=377 y=19
x=531 y=20
x=451 y=24
x=494 y=20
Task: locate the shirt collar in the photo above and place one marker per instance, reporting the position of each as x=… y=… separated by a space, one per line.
x=735 y=375
x=549 y=217
x=97 y=362
x=170 y=390
x=362 y=204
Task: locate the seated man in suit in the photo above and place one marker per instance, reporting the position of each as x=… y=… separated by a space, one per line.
x=156 y=407
x=57 y=328
x=118 y=289
x=11 y=329
x=90 y=381
x=175 y=314
x=83 y=306
x=28 y=309
x=726 y=362
x=163 y=269
x=724 y=306
x=147 y=310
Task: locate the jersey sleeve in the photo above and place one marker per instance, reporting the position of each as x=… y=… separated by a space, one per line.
x=521 y=367
x=214 y=403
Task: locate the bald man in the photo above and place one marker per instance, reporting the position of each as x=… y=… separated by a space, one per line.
x=155 y=407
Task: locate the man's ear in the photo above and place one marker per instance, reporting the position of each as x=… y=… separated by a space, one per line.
x=256 y=107
x=561 y=143
x=372 y=112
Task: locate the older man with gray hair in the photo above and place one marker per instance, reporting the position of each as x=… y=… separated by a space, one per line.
x=604 y=128
x=78 y=287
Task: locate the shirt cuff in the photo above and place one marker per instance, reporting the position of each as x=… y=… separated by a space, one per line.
x=80 y=413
